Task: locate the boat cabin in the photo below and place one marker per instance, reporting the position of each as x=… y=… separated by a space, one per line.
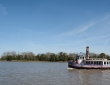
x=80 y=58
x=98 y=61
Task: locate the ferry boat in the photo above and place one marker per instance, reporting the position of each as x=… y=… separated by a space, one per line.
x=84 y=62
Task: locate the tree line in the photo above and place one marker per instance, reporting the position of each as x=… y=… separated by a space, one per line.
x=52 y=57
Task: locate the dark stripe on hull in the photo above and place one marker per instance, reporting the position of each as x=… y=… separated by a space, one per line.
x=80 y=67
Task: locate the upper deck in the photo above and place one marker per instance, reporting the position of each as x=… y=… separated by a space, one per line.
x=97 y=59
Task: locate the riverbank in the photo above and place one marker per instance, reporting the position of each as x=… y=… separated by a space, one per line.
x=29 y=61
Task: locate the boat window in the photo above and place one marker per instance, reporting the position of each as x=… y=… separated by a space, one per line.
x=107 y=62
x=83 y=57
x=100 y=62
x=104 y=62
x=97 y=62
x=87 y=62
x=91 y=62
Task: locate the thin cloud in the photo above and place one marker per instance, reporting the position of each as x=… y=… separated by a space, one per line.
x=78 y=30
x=8 y=35
x=83 y=28
x=106 y=17
x=3 y=10
x=106 y=42
x=99 y=37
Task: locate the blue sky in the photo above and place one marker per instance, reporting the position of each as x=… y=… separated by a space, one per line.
x=41 y=26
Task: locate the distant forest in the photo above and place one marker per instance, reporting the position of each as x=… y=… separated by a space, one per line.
x=52 y=57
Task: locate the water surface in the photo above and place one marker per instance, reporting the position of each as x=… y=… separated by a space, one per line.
x=49 y=73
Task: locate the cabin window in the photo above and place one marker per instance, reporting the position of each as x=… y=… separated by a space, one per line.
x=87 y=62
x=91 y=62
x=104 y=62
x=95 y=62
x=83 y=57
x=107 y=62
x=100 y=62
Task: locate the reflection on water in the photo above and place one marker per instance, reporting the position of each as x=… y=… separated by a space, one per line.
x=91 y=77
x=49 y=73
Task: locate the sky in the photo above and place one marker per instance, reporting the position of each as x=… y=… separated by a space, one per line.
x=41 y=26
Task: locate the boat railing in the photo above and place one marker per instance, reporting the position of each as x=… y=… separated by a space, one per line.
x=96 y=59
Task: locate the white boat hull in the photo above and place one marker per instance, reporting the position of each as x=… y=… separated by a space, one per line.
x=78 y=66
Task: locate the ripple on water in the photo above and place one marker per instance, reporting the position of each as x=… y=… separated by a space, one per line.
x=49 y=73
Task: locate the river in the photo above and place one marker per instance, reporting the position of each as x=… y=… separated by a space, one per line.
x=49 y=73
